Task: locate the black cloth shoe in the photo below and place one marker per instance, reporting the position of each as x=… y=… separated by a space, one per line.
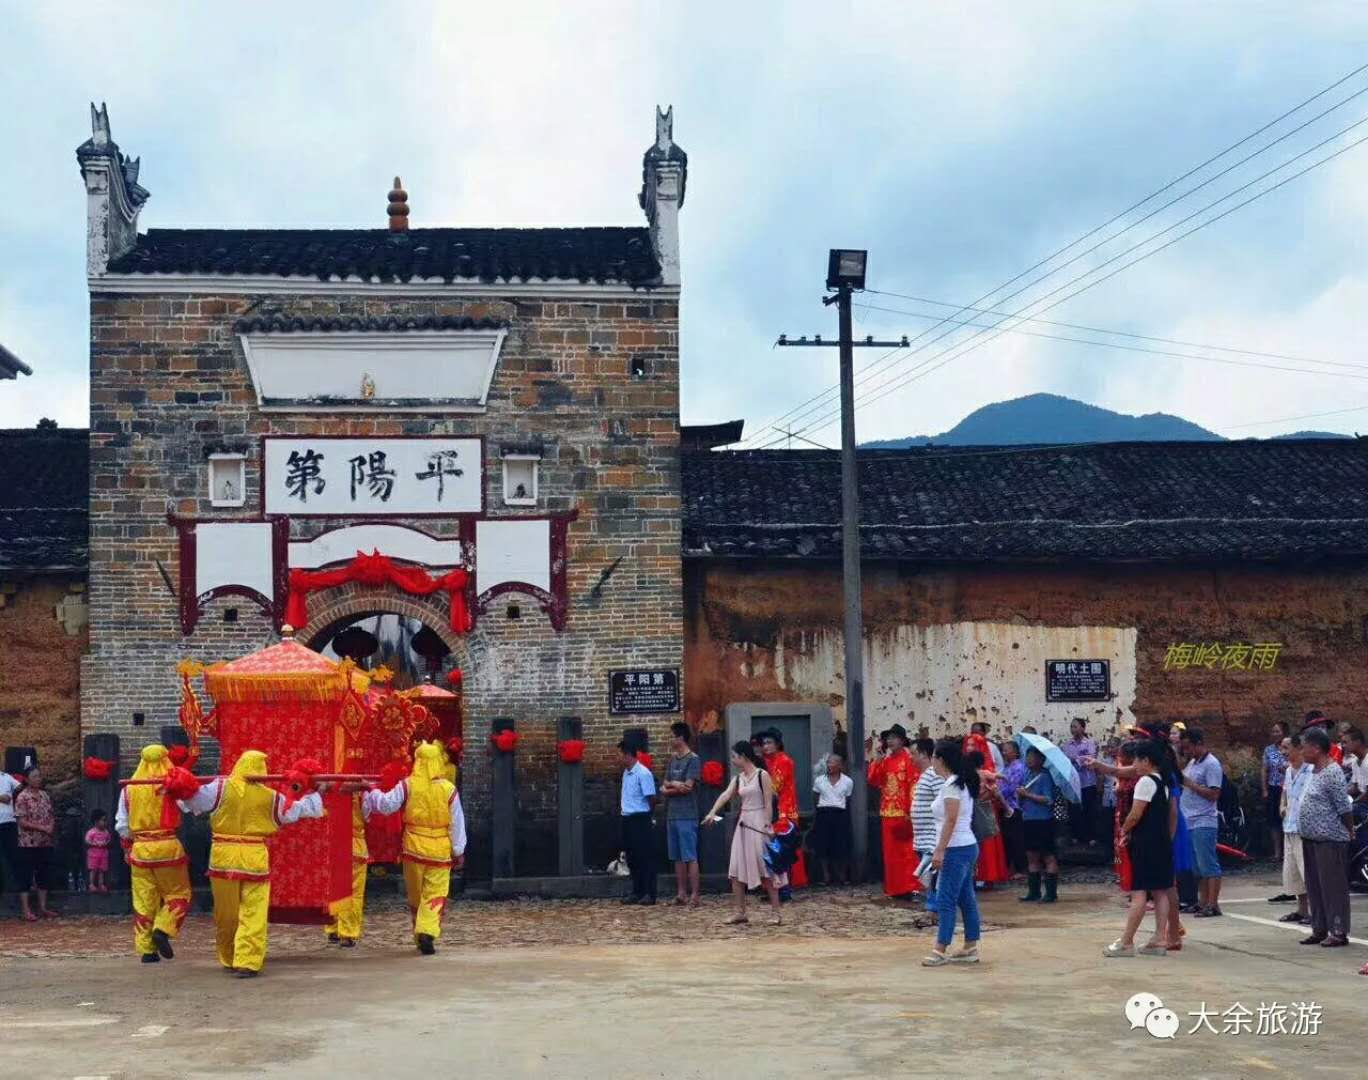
x=1282 y=898
x=151 y=958
x=162 y=943
x=426 y=945
x=1292 y=916
x=631 y=900
x=246 y=973
x=1314 y=939
x=334 y=938
x=347 y=943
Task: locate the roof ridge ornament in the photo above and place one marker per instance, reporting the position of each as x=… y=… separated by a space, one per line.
x=664 y=174
x=398 y=208
x=113 y=195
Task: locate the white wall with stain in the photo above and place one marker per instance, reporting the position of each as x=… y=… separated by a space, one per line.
x=947 y=676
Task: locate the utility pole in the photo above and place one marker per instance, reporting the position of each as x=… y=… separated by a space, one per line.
x=846 y=275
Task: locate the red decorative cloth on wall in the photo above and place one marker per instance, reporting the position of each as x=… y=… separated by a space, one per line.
x=376 y=569
x=570 y=751
x=97 y=769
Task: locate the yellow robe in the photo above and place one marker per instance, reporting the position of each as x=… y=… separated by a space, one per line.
x=427 y=841
x=351 y=914
x=242 y=816
x=158 y=868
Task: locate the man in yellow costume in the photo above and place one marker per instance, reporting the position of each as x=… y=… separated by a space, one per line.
x=345 y=928
x=434 y=840
x=147 y=821
x=241 y=816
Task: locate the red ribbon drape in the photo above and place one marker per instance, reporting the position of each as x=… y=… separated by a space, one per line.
x=376 y=569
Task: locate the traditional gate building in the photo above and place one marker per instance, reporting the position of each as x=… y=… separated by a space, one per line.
x=474 y=429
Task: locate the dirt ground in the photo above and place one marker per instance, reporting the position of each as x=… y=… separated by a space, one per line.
x=591 y=989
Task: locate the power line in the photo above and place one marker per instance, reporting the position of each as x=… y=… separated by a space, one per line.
x=1121 y=254
x=970 y=344
x=759 y=432
x=1303 y=416
x=1078 y=326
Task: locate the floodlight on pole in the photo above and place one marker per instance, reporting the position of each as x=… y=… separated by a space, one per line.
x=846 y=268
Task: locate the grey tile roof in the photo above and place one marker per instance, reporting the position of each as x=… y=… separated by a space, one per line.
x=1247 y=500
x=44 y=499
x=600 y=255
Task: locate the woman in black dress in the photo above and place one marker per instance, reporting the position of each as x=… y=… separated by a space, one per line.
x=1148 y=833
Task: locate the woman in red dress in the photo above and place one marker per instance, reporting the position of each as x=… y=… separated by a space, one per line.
x=1125 y=793
x=992 y=868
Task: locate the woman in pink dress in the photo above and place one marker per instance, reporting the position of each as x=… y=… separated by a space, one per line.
x=753 y=828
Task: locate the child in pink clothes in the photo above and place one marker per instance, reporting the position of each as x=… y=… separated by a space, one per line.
x=97 y=839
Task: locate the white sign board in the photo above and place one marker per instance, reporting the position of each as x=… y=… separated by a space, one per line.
x=513 y=551
x=234 y=553
x=323 y=477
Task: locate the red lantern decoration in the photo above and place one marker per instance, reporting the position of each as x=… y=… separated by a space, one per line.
x=454 y=677
x=505 y=741
x=94 y=768
x=712 y=774
x=455 y=747
x=645 y=758
x=570 y=751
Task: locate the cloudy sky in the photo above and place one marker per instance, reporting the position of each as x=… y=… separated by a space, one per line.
x=960 y=144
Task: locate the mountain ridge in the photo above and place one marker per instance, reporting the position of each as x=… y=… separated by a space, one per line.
x=1038 y=419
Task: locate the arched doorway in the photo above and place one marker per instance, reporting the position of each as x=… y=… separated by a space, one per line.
x=411 y=636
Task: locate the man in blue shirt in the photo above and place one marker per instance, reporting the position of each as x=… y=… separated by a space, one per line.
x=1202 y=779
x=638 y=835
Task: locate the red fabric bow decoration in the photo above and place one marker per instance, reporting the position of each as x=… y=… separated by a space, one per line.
x=178 y=755
x=94 y=768
x=392 y=775
x=645 y=758
x=375 y=570
x=712 y=774
x=454 y=677
x=506 y=741
x=455 y=747
x=299 y=779
x=178 y=784
x=570 y=751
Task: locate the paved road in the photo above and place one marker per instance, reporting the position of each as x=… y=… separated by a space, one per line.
x=767 y=1003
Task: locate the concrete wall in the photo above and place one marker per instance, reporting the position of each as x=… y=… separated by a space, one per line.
x=169 y=385
x=42 y=635
x=947 y=646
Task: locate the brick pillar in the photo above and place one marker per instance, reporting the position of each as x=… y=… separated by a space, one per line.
x=504 y=800
x=713 y=856
x=104 y=795
x=570 y=803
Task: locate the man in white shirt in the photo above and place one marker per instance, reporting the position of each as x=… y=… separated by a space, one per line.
x=9 y=831
x=1356 y=762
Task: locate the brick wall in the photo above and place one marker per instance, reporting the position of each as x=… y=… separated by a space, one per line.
x=169 y=385
x=771 y=631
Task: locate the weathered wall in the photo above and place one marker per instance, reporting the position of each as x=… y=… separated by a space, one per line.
x=946 y=646
x=169 y=384
x=42 y=635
